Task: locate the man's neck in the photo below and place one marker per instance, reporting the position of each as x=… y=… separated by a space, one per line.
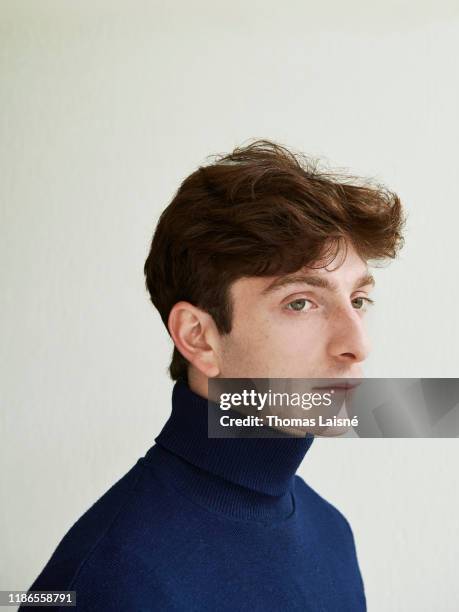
x=198 y=382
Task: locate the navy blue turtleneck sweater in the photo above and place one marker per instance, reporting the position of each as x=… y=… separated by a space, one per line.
x=205 y=524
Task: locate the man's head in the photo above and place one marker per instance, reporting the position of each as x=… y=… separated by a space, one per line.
x=259 y=266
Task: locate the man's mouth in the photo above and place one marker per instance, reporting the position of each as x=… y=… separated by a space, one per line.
x=342 y=386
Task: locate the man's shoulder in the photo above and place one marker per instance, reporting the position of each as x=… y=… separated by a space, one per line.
x=320 y=509
x=331 y=530
x=110 y=526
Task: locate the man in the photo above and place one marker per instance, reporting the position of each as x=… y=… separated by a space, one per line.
x=258 y=268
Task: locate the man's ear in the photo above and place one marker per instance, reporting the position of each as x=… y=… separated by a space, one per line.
x=195 y=335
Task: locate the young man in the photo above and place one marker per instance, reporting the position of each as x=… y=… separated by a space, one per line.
x=258 y=268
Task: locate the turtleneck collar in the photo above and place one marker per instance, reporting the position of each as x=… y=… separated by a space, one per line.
x=257 y=471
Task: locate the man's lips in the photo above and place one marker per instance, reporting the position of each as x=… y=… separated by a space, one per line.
x=339 y=386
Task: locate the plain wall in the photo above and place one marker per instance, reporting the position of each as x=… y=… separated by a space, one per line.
x=106 y=107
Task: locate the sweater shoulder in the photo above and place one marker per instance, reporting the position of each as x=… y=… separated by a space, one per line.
x=89 y=532
x=314 y=504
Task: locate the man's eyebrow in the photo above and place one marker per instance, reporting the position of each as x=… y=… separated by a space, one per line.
x=314 y=281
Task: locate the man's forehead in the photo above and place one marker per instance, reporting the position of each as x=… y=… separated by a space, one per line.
x=358 y=276
x=353 y=278
x=352 y=271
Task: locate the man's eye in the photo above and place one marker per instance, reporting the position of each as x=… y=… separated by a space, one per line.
x=297 y=305
x=362 y=303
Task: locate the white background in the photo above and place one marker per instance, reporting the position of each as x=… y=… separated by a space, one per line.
x=105 y=108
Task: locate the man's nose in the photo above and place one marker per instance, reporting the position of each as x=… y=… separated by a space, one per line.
x=349 y=342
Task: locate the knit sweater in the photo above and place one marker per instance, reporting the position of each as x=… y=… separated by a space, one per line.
x=206 y=524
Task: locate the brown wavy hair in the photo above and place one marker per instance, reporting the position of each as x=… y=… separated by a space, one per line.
x=261 y=210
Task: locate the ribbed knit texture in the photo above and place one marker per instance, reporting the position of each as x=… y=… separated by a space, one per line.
x=205 y=524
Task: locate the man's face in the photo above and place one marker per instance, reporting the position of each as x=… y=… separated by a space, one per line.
x=311 y=328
